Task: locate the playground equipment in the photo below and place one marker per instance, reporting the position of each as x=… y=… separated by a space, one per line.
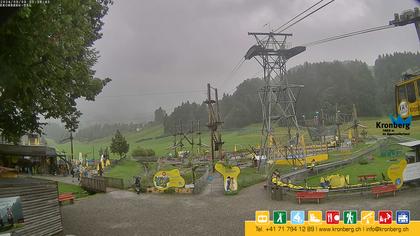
x=192 y=137
x=305 y=160
x=354 y=135
x=335 y=181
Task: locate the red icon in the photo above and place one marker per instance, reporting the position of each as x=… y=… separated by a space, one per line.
x=332 y=217
x=385 y=217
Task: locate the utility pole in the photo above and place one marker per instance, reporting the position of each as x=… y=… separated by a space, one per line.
x=175 y=144
x=71 y=143
x=323 y=125
x=192 y=137
x=214 y=124
x=199 y=137
x=338 y=123
x=355 y=124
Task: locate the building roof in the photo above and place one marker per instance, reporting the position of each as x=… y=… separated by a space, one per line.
x=412 y=144
x=24 y=150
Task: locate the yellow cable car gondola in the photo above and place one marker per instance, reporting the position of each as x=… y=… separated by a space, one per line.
x=407 y=96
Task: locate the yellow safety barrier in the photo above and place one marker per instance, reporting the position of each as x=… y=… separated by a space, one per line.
x=318 y=158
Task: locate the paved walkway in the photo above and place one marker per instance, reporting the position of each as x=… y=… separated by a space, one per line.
x=58 y=178
x=215 y=186
x=126 y=213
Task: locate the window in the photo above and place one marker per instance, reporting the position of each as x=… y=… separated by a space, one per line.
x=411 y=92
x=418 y=87
x=401 y=93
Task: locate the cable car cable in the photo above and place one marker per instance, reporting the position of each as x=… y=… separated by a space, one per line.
x=346 y=35
x=298 y=15
x=312 y=12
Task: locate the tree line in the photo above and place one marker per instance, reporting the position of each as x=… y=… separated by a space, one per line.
x=326 y=84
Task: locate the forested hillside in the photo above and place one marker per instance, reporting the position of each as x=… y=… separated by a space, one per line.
x=326 y=84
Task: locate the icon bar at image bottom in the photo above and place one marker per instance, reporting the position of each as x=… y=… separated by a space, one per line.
x=333 y=217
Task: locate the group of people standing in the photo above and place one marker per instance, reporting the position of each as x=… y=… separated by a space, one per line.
x=79 y=170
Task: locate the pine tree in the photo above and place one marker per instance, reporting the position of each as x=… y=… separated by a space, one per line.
x=119 y=145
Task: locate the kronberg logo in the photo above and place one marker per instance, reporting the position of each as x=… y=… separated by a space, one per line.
x=396 y=126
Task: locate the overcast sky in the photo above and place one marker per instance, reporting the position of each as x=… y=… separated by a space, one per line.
x=163 y=52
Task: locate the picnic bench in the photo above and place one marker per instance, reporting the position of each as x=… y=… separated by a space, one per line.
x=367 y=177
x=310 y=195
x=66 y=197
x=384 y=189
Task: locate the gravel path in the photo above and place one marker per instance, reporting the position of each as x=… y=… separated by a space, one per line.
x=126 y=213
x=65 y=179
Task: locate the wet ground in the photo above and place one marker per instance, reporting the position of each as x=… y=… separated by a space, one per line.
x=211 y=213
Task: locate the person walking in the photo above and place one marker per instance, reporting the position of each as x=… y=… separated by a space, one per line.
x=137 y=184
x=1 y=221
x=72 y=174
x=228 y=183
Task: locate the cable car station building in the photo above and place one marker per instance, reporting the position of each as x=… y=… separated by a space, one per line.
x=412 y=171
x=31 y=156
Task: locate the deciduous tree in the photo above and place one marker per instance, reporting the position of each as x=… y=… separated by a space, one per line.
x=46 y=58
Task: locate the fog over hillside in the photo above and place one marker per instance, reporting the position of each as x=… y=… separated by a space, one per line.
x=160 y=53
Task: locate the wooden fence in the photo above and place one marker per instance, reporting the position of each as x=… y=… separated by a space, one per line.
x=94 y=184
x=112 y=182
x=39 y=198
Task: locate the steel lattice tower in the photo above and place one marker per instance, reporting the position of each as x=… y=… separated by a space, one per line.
x=278 y=96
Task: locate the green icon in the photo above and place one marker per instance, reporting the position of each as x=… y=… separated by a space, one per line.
x=279 y=217
x=350 y=217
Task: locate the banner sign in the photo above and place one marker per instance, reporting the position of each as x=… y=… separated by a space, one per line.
x=230 y=176
x=168 y=178
x=395 y=173
x=11 y=214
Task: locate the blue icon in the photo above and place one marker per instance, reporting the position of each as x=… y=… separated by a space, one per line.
x=297 y=217
x=403 y=217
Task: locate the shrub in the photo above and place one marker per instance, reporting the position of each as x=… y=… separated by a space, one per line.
x=142 y=152
x=363 y=161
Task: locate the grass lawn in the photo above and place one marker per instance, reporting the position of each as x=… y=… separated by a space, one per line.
x=249 y=176
x=151 y=137
x=71 y=188
x=129 y=168
x=376 y=166
x=126 y=170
